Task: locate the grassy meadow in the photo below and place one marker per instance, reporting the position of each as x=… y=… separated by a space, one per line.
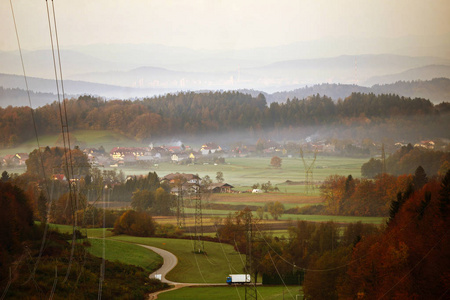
x=125 y=253
x=232 y=292
x=220 y=261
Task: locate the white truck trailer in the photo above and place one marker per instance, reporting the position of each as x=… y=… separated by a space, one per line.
x=238 y=278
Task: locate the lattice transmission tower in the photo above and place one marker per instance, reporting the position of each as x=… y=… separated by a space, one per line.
x=309 y=177
x=196 y=196
x=251 y=291
x=180 y=184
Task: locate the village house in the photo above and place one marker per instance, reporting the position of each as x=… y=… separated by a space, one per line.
x=221 y=188
x=425 y=144
x=10 y=160
x=189 y=178
x=22 y=158
x=210 y=148
x=120 y=153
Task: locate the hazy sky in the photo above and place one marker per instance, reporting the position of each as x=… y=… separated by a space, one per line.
x=219 y=24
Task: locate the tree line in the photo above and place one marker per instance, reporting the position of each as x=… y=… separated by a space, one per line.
x=192 y=113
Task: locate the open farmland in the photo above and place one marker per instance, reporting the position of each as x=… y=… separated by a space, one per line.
x=243 y=172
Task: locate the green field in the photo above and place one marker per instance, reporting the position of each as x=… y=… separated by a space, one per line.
x=232 y=292
x=220 y=261
x=243 y=172
x=125 y=253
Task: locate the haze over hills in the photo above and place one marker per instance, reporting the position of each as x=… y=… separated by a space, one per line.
x=279 y=76
x=72 y=89
x=124 y=71
x=423 y=73
x=436 y=90
x=334 y=60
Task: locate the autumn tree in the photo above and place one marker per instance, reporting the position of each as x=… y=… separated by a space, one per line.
x=219 y=176
x=163 y=202
x=42 y=207
x=16 y=224
x=142 y=199
x=276 y=209
x=371 y=168
x=267 y=187
x=5 y=176
x=420 y=178
x=135 y=223
x=275 y=162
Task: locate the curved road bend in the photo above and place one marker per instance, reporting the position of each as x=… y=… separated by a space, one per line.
x=170 y=261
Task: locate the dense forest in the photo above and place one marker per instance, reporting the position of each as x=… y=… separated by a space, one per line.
x=194 y=114
x=405 y=259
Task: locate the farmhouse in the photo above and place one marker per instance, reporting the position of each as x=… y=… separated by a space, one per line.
x=221 y=188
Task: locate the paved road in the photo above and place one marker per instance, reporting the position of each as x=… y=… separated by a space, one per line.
x=170 y=261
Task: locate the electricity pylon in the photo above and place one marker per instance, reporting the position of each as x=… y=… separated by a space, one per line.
x=309 y=179
x=199 y=246
x=250 y=289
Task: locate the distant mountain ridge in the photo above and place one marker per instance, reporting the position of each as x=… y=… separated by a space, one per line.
x=47 y=87
x=436 y=90
x=172 y=69
x=421 y=73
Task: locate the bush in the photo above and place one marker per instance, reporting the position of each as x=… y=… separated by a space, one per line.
x=135 y=223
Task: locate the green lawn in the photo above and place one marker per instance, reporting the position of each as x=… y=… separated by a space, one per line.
x=231 y=292
x=125 y=253
x=197 y=268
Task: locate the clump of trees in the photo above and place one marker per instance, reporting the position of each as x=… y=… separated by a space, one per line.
x=361 y=197
x=266 y=187
x=406 y=159
x=55 y=160
x=135 y=223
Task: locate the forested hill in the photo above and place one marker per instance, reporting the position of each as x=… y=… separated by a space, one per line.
x=436 y=90
x=196 y=114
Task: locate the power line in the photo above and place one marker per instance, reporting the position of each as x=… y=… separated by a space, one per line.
x=37 y=140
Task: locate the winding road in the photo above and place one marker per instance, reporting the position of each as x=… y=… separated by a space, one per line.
x=170 y=261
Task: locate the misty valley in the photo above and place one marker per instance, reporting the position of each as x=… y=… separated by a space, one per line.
x=224 y=150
